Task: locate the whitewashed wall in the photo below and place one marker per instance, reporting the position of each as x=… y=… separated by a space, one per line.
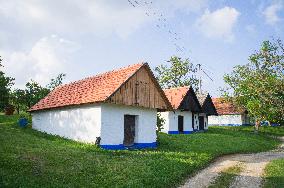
x=206 y=122
x=112 y=131
x=196 y=122
x=81 y=123
x=232 y=120
x=85 y=123
x=171 y=120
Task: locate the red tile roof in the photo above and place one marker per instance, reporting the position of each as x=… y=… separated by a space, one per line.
x=90 y=90
x=224 y=107
x=176 y=95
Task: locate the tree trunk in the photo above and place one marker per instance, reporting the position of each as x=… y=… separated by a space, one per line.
x=18 y=110
x=257 y=125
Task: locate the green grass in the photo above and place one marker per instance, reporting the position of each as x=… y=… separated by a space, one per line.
x=226 y=177
x=274 y=174
x=32 y=159
x=265 y=130
x=8 y=119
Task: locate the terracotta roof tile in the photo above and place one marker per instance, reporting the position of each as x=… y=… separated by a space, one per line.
x=176 y=95
x=89 y=90
x=224 y=107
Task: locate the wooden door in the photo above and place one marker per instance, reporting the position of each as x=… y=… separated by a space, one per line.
x=129 y=130
x=180 y=124
x=201 y=122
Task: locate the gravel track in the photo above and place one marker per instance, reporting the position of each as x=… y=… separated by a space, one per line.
x=251 y=175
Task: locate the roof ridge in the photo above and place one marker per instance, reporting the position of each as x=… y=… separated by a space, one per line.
x=172 y=88
x=82 y=91
x=102 y=74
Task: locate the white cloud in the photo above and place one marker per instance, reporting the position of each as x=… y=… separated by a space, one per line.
x=24 y=22
x=99 y=17
x=183 y=5
x=47 y=58
x=250 y=28
x=270 y=13
x=218 y=24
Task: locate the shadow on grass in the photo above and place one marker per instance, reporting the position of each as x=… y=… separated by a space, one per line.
x=71 y=163
x=274 y=182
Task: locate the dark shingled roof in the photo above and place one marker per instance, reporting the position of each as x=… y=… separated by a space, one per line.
x=207 y=104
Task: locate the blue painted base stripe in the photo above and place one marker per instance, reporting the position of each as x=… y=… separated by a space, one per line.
x=187 y=132
x=246 y=124
x=113 y=147
x=177 y=132
x=173 y=132
x=145 y=145
x=228 y=125
x=135 y=146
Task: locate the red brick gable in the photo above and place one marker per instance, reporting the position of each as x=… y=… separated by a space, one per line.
x=90 y=90
x=183 y=98
x=176 y=95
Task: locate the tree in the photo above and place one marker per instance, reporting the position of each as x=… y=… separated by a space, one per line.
x=179 y=73
x=160 y=123
x=258 y=86
x=18 y=99
x=23 y=99
x=34 y=92
x=5 y=86
x=55 y=82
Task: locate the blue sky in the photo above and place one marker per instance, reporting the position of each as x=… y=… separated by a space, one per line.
x=40 y=39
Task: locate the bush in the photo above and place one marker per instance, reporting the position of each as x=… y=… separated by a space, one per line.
x=160 y=123
x=9 y=110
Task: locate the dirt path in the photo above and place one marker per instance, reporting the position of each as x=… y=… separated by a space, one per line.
x=254 y=165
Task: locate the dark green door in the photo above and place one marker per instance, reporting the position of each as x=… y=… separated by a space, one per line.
x=180 y=124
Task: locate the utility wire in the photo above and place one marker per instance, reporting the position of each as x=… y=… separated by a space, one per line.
x=163 y=24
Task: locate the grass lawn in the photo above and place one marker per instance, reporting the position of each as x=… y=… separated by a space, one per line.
x=8 y=119
x=274 y=174
x=32 y=159
x=265 y=130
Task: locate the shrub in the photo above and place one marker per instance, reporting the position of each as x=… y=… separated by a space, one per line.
x=9 y=110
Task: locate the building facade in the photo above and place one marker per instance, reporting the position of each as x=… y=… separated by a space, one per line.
x=185 y=104
x=116 y=110
x=228 y=114
x=208 y=110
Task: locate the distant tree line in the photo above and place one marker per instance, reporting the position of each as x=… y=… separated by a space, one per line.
x=23 y=99
x=5 y=87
